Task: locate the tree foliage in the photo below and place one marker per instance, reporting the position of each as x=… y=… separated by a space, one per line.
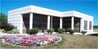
x=3 y=19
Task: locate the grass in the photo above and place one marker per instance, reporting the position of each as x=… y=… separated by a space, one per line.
x=69 y=41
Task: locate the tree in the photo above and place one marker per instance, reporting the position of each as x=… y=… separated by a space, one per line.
x=3 y=20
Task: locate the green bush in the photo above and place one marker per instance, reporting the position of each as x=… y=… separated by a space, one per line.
x=83 y=32
x=8 y=27
x=14 y=31
x=69 y=30
x=61 y=30
x=50 y=30
x=33 y=31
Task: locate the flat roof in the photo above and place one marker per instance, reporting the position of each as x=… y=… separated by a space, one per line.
x=46 y=11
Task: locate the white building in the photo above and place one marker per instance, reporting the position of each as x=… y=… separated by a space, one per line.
x=42 y=18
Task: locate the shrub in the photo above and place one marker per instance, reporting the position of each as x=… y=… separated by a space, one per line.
x=83 y=32
x=32 y=31
x=69 y=30
x=13 y=31
x=61 y=30
x=50 y=30
x=8 y=27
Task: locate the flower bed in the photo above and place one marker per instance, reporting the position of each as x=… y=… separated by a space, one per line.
x=31 y=40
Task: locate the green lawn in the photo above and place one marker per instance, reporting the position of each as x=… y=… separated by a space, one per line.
x=69 y=41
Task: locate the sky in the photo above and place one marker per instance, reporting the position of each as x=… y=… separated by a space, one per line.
x=85 y=6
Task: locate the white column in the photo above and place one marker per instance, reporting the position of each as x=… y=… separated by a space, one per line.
x=88 y=26
x=81 y=24
x=48 y=22
x=21 y=24
x=61 y=22
x=31 y=21
x=72 y=22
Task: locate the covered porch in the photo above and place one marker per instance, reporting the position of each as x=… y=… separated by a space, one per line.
x=72 y=22
x=40 y=21
x=43 y=22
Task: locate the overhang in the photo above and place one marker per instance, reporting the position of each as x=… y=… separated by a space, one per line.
x=45 y=11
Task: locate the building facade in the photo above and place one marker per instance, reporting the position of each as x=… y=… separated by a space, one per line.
x=42 y=18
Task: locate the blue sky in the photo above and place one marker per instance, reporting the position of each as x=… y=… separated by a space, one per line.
x=87 y=7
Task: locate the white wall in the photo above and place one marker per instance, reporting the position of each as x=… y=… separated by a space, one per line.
x=15 y=20
x=83 y=17
x=15 y=17
x=88 y=19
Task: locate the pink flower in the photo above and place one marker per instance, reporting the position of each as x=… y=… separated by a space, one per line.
x=26 y=44
x=22 y=41
x=31 y=40
x=51 y=42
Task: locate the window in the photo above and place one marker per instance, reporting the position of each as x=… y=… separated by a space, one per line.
x=40 y=21
x=90 y=25
x=85 y=25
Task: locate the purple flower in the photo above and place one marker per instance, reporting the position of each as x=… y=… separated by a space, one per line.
x=31 y=40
